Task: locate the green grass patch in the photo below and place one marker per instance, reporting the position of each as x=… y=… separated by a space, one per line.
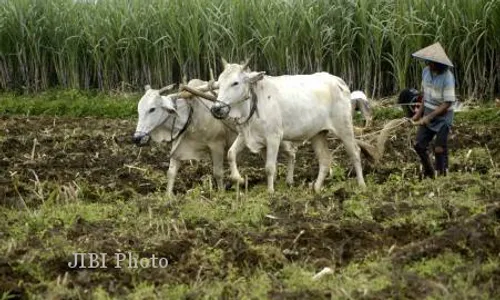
x=70 y=103
x=81 y=103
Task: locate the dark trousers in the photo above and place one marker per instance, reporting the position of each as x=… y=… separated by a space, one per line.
x=424 y=137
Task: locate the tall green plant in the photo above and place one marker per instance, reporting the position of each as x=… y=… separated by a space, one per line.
x=125 y=44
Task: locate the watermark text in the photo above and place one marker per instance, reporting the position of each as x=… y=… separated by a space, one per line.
x=116 y=260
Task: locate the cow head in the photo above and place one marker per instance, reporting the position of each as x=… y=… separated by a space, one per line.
x=153 y=110
x=234 y=90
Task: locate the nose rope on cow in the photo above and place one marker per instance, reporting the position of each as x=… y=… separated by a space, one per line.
x=224 y=123
x=253 y=106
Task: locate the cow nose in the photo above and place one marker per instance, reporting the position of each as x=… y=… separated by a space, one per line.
x=216 y=109
x=220 y=111
x=136 y=139
x=139 y=138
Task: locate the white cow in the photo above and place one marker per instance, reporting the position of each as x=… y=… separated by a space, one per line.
x=191 y=128
x=294 y=108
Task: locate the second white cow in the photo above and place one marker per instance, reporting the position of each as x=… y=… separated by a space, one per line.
x=269 y=109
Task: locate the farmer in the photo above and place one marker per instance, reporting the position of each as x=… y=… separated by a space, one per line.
x=435 y=116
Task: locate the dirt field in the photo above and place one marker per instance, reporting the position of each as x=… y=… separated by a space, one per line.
x=80 y=185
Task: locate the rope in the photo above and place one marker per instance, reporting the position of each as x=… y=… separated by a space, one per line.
x=386 y=131
x=222 y=121
x=382 y=135
x=389 y=126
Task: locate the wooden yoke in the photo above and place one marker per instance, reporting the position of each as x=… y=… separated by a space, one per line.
x=186 y=92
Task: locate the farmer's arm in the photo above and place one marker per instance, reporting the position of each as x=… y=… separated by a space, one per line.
x=441 y=109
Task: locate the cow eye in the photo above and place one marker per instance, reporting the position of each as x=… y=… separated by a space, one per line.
x=152 y=109
x=234 y=83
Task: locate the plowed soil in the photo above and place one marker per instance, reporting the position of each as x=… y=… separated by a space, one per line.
x=98 y=157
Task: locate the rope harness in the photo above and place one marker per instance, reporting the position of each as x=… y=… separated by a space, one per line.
x=172 y=138
x=222 y=121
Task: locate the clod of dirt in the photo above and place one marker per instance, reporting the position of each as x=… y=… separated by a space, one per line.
x=474 y=238
x=174 y=250
x=299 y=295
x=82 y=227
x=10 y=281
x=405 y=285
x=390 y=210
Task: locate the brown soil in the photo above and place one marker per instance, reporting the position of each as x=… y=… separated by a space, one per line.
x=100 y=153
x=98 y=156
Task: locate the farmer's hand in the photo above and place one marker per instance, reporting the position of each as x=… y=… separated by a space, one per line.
x=424 y=121
x=415 y=119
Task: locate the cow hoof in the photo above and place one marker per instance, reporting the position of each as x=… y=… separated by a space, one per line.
x=311 y=185
x=270 y=190
x=317 y=188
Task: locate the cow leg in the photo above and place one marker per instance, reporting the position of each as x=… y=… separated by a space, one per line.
x=290 y=150
x=323 y=154
x=367 y=113
x=272 y=149
x=232 y=154
x=346 y=135
x=171 y=174
x=218 y=165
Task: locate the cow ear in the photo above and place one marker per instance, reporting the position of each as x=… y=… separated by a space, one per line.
x=255 y=76
x=147 y=87
x=168 y=105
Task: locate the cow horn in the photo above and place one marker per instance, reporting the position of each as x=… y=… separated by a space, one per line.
x=247 y=62
x=166 y=88
x=224 y=62
x=211 y=83
x=212 y=75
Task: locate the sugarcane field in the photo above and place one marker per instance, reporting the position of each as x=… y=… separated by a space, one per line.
x=279 y=149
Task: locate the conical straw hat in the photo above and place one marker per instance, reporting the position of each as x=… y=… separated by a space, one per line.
x=435 y=53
